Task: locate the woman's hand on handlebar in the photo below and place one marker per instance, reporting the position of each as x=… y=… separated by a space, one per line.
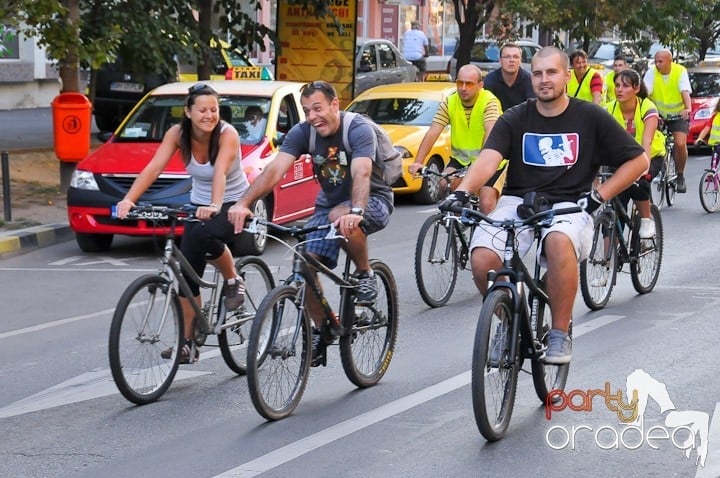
x=123 y=207
x=206 y=212
x=415 y=168
x=237 y=215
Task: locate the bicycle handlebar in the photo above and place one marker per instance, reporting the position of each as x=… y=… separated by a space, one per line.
x=148 y=211
x=542 y=218
x=425 y=172
x=251 y=226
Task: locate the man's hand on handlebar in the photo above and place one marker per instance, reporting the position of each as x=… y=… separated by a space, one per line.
x=590 y=201
x=237 y=215
x=457 y=199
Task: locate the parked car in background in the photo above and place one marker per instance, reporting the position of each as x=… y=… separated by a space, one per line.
x=485 y=54
x=406 y=111
x=705 y=83
x=104 y=177
x=379 y=62
x=118 y=88
x=602 y=53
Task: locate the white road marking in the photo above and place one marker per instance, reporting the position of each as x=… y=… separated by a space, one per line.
x=55 y=323
x=712 y=461
x=87 y=386
x=71 y=269
x=305 y=445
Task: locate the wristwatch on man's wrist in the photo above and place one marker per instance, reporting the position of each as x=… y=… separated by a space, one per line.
x=357 y=211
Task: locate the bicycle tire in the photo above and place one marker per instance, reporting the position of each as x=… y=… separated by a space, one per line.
x=279 y=353
x=671 y=180
x=367 y=351
x=657 y=187
x=645 y=269
x=436 y=261
x=547 y=377
x=233 y=340
x=135 y=344
x=709 y=193
x=501 y=377
x=598 y=272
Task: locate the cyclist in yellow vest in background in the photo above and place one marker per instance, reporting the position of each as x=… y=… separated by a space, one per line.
x=471 y=113
x=669 y=88
x=619 y=64
x=712 y=127
x=585 y=83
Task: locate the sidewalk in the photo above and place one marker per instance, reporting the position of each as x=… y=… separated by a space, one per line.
x=27 y=132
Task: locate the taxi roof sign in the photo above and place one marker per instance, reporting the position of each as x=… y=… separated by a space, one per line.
x=249 y=73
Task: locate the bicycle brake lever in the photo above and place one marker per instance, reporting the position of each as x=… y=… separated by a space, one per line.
x=332 y=233
x=251 y=227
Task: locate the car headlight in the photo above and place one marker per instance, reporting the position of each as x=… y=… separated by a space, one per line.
x=83 y=180
x=404 y=151
x=703 y=113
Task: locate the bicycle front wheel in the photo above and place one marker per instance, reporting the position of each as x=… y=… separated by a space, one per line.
x=647 y=254
x=147 y=325
x=233 y=339
x=547 y=377
x=599 y=271
x=367 y=351
x=436 y=261
x=279 y=353
x=709 y=193
x=494 y=366
x=671 y=180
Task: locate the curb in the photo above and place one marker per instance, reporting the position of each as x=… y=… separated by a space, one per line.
x=13 y=243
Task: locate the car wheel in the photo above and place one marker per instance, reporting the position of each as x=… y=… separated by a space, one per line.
x=429 y=192
x=254 y=244
x=93 y=242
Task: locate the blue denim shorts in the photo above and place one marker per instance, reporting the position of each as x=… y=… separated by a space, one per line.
x=376 y=217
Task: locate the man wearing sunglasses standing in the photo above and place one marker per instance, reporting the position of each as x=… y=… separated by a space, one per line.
x=352 y=189
x=471 y=113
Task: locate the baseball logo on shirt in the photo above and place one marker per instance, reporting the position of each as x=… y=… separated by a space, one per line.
x=550 y=150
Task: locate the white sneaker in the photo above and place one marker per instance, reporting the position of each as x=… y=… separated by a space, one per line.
x=647 y=228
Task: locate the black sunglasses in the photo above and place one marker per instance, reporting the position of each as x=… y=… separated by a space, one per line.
x=197 y=87
x=314 y=86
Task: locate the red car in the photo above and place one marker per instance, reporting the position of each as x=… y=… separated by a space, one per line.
x=705 y=82
x=103 y=178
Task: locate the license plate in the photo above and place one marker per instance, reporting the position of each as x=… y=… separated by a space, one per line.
x=126 y=87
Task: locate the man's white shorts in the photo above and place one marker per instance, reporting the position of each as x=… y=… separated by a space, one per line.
x=578 y=227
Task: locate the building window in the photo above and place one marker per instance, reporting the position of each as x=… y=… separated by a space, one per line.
x=9 y=43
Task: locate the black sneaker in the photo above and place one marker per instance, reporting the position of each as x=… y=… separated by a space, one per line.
x=366 y=289
x=680 y=185
x=234 y=294
x=317 y=355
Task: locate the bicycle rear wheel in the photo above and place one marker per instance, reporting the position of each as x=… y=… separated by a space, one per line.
x=657 y=187
x=645 y=269
x=366 y=352
x=436 y=261
x=233 y=339
x=146 y=322
x=547 y=377
x=599 y=271
x=709 y=193
x=494 y=375
x=671 y=180
x=279 y=353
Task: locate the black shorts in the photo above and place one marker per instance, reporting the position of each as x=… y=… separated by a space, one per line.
x=420 y=64
x=679 y=126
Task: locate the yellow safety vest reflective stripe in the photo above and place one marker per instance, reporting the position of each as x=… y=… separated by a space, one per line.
x=666 y=93
x=657 y=146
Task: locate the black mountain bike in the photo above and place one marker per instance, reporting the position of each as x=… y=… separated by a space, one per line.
x=280 y=345
x=442 y=248
x=616 y=242
x=514 y=323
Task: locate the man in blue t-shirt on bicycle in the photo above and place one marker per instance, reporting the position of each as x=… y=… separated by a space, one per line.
x=352 y=188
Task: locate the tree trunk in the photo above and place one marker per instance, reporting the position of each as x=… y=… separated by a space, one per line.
x=69 y=67
x=467 y=16
x=204 y=32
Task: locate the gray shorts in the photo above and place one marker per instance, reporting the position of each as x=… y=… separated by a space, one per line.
x=679 y=126
x=376 y=217
x=578 y=227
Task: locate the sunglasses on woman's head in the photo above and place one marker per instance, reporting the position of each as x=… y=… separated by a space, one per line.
x=196 y=88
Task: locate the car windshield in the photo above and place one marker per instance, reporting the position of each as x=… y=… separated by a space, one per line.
x=704 y=84
x=248 y=114
x=406 y=111
x=485 y=53
x=603 y=51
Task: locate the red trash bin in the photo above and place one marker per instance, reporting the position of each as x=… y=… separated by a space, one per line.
x=72 y=124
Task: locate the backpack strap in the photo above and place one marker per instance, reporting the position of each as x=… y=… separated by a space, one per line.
x=311 y=145
x=348 y=118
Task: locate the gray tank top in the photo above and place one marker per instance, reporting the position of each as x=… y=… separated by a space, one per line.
x=236 y=182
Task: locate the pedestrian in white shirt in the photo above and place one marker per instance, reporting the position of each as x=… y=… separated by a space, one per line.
x=415 y=48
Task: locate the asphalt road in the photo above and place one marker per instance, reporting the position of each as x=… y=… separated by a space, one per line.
x=61 y=415
x=29 y=129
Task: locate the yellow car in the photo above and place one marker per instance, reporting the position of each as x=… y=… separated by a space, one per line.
x=405 y=111
x=225 y=64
